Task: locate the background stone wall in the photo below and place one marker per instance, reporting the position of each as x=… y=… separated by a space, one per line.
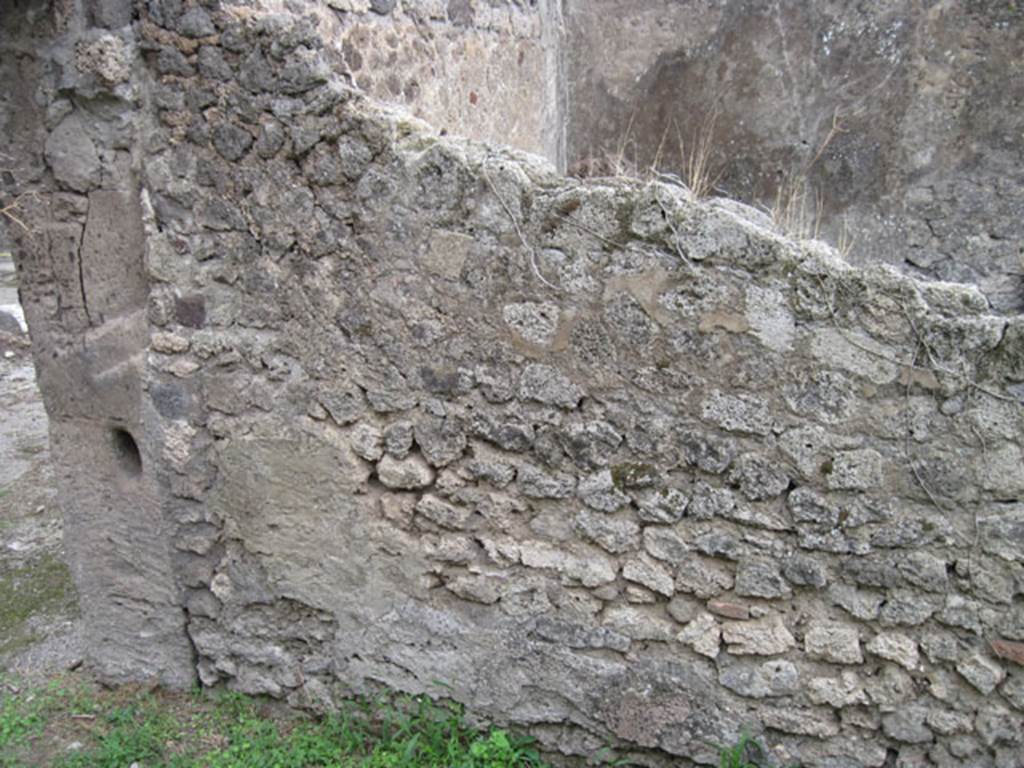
x=341 y=403
x=482 y=69
x=904 y=118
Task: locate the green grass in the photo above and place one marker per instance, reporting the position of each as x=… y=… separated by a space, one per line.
x=72 y=723
x=26 y=714
x=115 y=729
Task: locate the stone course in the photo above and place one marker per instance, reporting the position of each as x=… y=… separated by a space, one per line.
x=339 y=402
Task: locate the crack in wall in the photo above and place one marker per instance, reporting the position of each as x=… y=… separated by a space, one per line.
x=80 y=261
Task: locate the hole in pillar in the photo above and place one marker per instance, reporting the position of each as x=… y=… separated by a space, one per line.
x=127 y=452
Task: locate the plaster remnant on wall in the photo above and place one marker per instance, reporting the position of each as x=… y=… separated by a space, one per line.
x=770 y=318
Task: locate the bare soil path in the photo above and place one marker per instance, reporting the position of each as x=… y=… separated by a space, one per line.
x=39 y=628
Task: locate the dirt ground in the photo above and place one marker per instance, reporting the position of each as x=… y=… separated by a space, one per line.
x=39 y=626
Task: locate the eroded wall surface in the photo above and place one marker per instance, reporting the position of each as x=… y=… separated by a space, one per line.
x=341 y=403
x=904 y=118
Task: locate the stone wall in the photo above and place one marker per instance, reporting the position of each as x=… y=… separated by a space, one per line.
x=482 y=69
x=340 y=403
x=904 y=118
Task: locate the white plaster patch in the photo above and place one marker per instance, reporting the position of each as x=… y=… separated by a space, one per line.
x=770 y=318
x=856 y=353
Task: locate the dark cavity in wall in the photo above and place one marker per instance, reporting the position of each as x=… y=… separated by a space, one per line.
x=127 y=452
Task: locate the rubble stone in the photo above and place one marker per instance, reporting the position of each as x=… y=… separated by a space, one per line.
x=984 y=674
x=762 y=637
x=758 y=681
x=760 y=578
x=406 y=474
x=837 y=643
x=847 y=691
x=895 y=647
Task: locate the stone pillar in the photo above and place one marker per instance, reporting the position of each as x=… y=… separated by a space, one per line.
x=73 y=116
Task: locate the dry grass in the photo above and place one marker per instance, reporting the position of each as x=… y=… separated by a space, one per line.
x=10 y=212
x=619 y=162
x=697 y=168
x=798 y=208
x=798 y=212
x=701 y=173
x=846 y=240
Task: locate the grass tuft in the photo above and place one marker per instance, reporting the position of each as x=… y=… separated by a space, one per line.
x=700 y=171
x=747 y=752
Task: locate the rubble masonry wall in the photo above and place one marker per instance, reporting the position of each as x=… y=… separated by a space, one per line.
x=338 y=402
